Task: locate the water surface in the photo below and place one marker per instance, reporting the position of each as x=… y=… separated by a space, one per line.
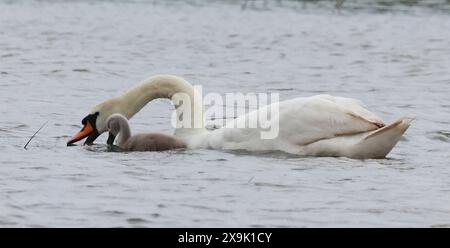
x=58 y=59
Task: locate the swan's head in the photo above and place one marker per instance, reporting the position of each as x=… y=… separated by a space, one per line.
x=95 y=123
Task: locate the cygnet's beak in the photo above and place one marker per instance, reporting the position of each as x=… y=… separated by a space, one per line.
x=111 y=138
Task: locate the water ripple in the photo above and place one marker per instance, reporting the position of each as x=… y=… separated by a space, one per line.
x=59 y=70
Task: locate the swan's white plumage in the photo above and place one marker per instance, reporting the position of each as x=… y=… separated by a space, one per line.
x=305 y=120
x=320 y=125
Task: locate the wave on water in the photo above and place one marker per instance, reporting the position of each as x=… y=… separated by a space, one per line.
x=442 y=135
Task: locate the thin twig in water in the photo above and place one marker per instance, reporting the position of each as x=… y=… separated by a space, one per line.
x=25 y=147
x=250 y=179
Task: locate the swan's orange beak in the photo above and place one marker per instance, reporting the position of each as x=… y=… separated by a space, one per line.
x=83 y=133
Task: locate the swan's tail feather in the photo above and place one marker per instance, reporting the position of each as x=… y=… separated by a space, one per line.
x=378 y=143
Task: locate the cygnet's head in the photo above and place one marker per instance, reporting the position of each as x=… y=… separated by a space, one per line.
x=115 y=124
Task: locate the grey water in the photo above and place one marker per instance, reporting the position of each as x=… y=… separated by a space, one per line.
x=60 y=58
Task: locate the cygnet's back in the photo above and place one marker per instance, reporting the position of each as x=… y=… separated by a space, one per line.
x=118 y=125
x=153 y=142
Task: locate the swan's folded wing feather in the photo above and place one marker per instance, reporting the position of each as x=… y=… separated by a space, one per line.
x=305 y=121
x=301 y=121
x=354 y=107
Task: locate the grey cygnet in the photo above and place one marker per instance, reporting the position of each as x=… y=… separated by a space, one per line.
x=117 y=124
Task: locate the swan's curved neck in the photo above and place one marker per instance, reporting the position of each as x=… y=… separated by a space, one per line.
x=171 y=87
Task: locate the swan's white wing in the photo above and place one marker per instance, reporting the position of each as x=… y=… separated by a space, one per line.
x=304 y=121
x=354 y=107
x=301 y=121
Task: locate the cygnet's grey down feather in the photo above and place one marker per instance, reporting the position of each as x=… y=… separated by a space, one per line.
x=118 y=125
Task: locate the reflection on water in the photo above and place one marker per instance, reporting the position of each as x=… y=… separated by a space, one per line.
x=58 y=59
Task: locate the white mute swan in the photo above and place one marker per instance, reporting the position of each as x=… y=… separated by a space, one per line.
x=320 y=125
x=118 y=125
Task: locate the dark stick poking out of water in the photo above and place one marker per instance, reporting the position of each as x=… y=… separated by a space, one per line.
x=25 y=147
